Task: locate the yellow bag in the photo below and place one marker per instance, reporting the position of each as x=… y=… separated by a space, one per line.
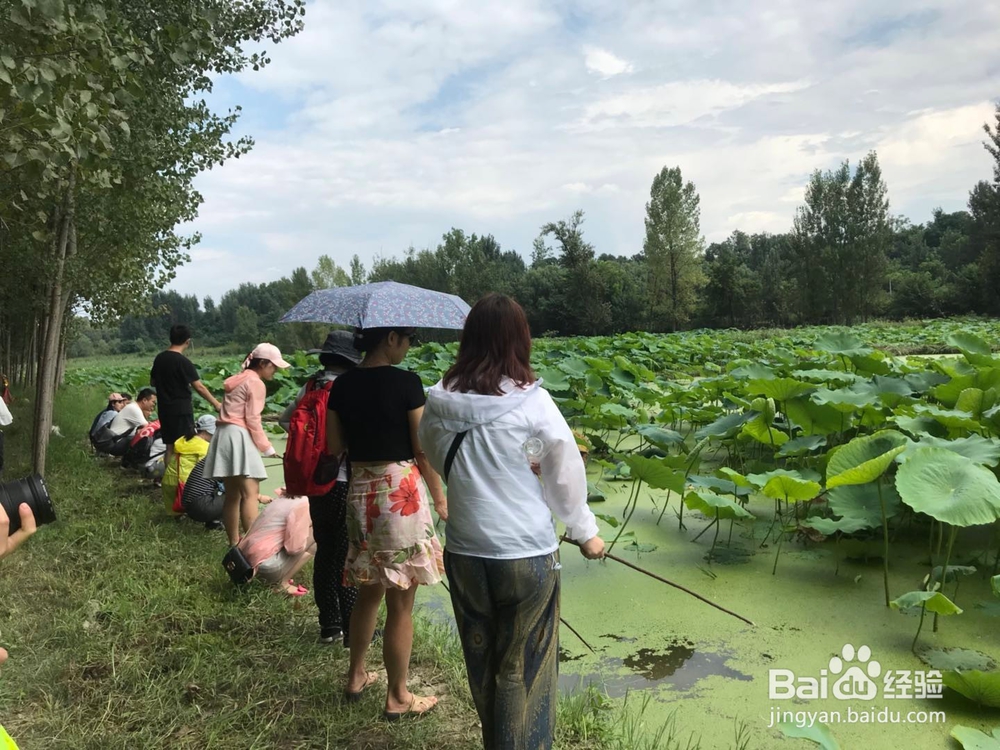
x=187 y=453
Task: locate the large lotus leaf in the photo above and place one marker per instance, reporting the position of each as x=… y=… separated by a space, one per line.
x=733 y=476
x=574 y=367
x=948 y=417
x=975 y=349
x=975 y=401
x=934 y=601
x=753 y=371
x=780 y=389
x=724 y=426
x=864 y=459
x=801 y=445
x=655 y=473
x=981 y=687
x=554 y=380
x=846 y=525
x=948 y=393
x=789 y=485
x=960 y=659
x=976 y=448
x=921 y=382
x=618 y=410
x=819 y=733
x=861 y=501
x=724 y=486
x=760 y=430
x=949 y=487
x=711 y=504
x=815 y=419
x=995 y=583
x=838 y=377
x=844 y=400
x=952 y=573
x=875 y=363
x=841 y=342
x=660 y=436
x=919 y=426
x=973 y=739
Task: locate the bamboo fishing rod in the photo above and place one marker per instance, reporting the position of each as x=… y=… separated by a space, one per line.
x=686 y=590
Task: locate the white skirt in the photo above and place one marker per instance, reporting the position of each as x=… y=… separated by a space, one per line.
x=232 y=453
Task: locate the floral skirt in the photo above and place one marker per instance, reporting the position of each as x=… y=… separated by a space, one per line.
x=390 y=529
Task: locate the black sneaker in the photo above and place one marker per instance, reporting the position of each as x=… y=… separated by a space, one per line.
x=329 y=635
x=213 y=526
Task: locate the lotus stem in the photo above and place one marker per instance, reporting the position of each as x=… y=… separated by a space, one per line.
x=774 y=570
x=634 y=502
x=665 y=504
x=711 y=552
x=952 y=533
x=923 y=611
x=731 y=522
x=885 y=541
x=700 y=533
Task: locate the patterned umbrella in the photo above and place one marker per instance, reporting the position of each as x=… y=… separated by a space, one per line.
x=385 y=304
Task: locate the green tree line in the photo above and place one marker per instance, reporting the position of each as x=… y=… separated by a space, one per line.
x=845 y=259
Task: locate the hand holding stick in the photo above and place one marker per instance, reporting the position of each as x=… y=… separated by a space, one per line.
x=608 y=555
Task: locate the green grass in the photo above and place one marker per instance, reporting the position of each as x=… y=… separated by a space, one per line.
x=125 y=633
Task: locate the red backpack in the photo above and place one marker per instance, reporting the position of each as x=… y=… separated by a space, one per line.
x=308 y=469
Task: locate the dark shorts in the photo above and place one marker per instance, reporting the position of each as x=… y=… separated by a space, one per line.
x=174 y=426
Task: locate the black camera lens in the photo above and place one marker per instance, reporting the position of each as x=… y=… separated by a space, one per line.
x=30 y=490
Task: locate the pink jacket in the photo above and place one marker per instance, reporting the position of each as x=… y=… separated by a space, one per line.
x=242 y=404
x=284 y=524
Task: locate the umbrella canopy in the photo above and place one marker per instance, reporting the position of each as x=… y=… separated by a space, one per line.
x=384 y=304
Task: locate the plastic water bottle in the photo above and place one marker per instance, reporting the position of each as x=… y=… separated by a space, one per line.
x=533 y=449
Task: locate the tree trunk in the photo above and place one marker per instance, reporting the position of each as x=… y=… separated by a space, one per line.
x=48 y=359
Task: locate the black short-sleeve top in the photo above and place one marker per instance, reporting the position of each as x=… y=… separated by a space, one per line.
x=373 y=404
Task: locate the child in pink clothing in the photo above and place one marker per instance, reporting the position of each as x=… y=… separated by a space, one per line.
x=280 y=542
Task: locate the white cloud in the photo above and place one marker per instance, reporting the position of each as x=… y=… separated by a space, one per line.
x=604 y=63
x=390 y=121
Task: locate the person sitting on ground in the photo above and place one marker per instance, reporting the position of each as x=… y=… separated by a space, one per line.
x=240 y=441
x=115 y=404
x=134 y=415
x=187 y=452
x=202 y=499
x=334 y=599
x=280 y=542
x=173 y=376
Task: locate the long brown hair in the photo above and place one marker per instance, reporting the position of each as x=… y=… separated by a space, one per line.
x=496 y=343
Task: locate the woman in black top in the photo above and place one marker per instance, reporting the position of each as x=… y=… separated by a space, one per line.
x=375 y=411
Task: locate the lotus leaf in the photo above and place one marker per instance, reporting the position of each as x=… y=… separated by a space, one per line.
x=952 y=659
x=864 y=459
x=753 y=372
x=660 y=436
x=553 y=380
x=949 y=487
x=801 y=445
x=846 y=525
x=873 y=363
x=951 y=418
x=713 y=505
x=786 y=486
x=995 y=584
x=814 y=419
x=780 y=389
x=973 y=348
x=978 y=686
x=653 y=472
x=719 y=485
x=973 y=739
x=919 y=426
x=976 y=448
x=827 y=376
x=860 y=501
x=844 y=400
x=725 y=426
x=734 y=476
x=841 y=342
x=819 y=733
x=933 y=601
x=762 y=431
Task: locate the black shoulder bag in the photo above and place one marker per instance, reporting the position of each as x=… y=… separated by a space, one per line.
x=450 y=458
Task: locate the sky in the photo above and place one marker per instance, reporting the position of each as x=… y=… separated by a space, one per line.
x=385 y=123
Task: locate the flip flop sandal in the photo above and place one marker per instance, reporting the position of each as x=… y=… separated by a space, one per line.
x=371 y=678
x=393 y=716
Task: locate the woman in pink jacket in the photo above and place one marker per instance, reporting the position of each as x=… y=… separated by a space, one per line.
x=235 y=453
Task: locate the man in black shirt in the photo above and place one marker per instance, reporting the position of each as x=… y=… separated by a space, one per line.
x=173 y=376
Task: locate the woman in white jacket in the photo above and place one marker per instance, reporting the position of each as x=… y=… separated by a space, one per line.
x=501 y=553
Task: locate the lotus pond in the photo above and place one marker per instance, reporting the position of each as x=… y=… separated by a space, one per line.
x=826 y=484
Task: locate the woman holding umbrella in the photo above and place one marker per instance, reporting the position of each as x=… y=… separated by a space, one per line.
x=375 y=410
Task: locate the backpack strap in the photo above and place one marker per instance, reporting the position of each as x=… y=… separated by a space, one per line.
x=450 y=458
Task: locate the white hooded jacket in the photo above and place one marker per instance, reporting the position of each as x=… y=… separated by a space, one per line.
x=497 y=508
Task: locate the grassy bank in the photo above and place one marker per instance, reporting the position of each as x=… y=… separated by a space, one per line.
x=125 y=633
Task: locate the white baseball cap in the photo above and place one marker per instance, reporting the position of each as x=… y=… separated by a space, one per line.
x=271 y=353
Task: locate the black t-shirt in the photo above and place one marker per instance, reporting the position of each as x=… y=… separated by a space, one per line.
x=172 y=376
x=373 y=404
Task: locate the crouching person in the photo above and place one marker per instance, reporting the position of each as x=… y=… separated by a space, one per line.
x=280 y=542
